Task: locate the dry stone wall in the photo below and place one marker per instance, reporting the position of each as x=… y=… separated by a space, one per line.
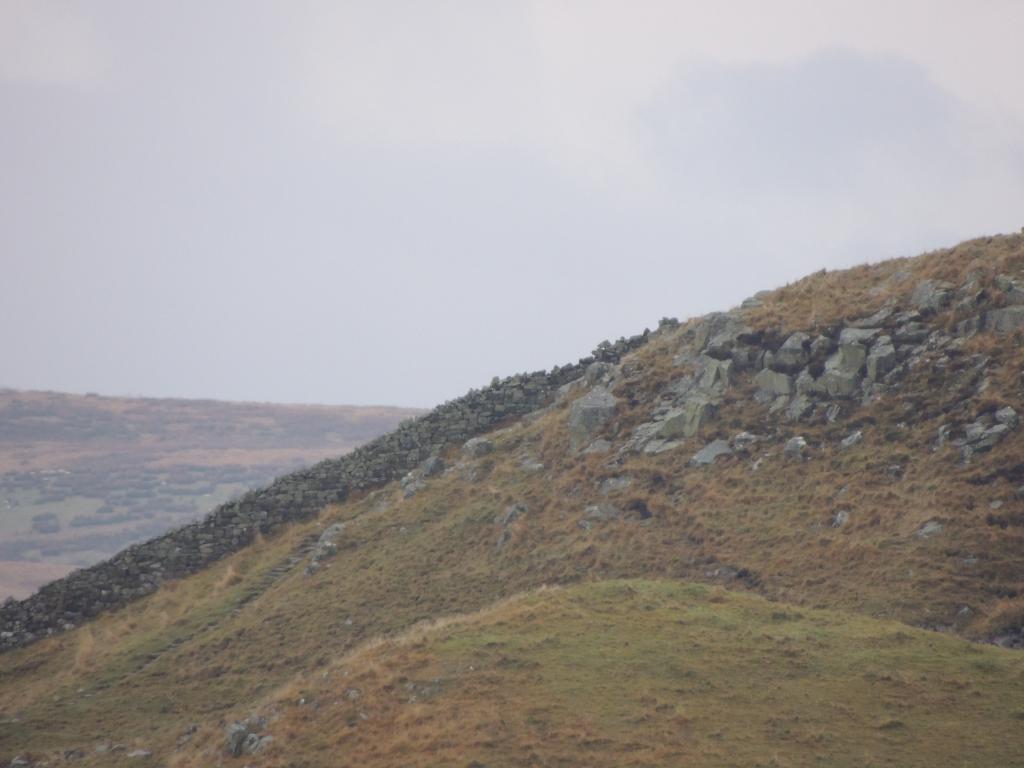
x=139 y=570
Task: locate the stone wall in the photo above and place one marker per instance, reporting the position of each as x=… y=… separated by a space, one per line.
x=139 y=570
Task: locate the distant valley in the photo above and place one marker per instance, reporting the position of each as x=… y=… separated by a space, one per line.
x=83 y=476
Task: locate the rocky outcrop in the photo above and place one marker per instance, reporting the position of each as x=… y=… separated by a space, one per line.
x=588 y=414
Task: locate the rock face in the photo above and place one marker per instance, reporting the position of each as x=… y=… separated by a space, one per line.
x=1006 y=320
x=588 y=414
x=139 y=570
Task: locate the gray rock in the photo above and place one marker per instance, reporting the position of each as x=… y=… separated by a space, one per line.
x=794 y=448
x=687 y=420
x=842 y=374
x=1005 y=320
x=613 y=484
x=600 y=373
x=588 y=415
x=806 y=384
x=799 y=408
x=603 y=511
x=852 y=440
x=326 y=547
x=911 y=333
x=821 y=348
x=1013 y=290
x=931 y=295
x=477 y=447
x=794 y=353
x=875 y=320
x=858 y=335
x=432 y=466
x=840 y=518
x=929 y=529
x=710 y=452
x=137 y=753
x=771 y=384
x=881 y=359
x=1008 y=417
x=714 y=375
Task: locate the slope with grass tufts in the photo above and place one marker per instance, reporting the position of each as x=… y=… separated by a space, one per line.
x=764 y=608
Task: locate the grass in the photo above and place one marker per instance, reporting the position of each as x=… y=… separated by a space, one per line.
x=650 y=673
x=763 y=533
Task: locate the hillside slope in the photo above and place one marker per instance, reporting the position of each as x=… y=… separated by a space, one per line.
x=850 y=442
x=83 y=476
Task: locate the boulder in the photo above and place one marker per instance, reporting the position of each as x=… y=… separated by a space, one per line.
x=432 y=467
x=875 y=320
x=911 y=333
x=772 y=384
x=714 y=375
x=1008 y=416
x=589 y=414
x=931 y=295
x=858 y=335
x=794 y=353
x=710 y=452
x=929 y=529
x=843 y=370
x=687 y=420
x=794 y=448
x=1005 y=320
x=799 y=408
x=852 y=439
x=476 y=447
x=1013 y=290
x=881 y=359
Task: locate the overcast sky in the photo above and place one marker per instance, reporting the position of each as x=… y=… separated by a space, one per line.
x=391 y=202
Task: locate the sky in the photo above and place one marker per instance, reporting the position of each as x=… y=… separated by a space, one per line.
x=392 y=202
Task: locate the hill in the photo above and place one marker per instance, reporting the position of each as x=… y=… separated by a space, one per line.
x=82 y=477
x=788 y=534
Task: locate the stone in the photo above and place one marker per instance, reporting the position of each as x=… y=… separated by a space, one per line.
x=842 y=374
x=794 y=353
x=140 y=753
x=839 y=518
x=714 y=375
x=931 y=295
x=603 y=511
x=881 y=360
x=799 y=408
x=600 y=373
x=771 y=384
x=432 y=467
x=326 y=547
x=1013 y=290
x=687 y=420
x=858 y=335
x=911 y=333
x=710 y=452
x=875 y=320
x=1008 y=417
x=852 y=439
x=477 y=447
x=794 y=448
x=929 y=529
x=1005 y=320
x=598 y=446
x=588 y=415
x=806 y=384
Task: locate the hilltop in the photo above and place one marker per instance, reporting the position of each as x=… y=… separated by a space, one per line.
x=83 y=476
x=790 y=533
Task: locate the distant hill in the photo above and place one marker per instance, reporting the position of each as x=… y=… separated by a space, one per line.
x=790 y=534
x=83 y=476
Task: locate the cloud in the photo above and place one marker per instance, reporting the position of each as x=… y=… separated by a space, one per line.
x=46 y=42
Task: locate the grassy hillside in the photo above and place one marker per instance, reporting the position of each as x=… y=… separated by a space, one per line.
x=81 y=477
x=605 y=671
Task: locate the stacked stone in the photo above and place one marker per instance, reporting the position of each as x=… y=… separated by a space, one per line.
x=139 y=570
